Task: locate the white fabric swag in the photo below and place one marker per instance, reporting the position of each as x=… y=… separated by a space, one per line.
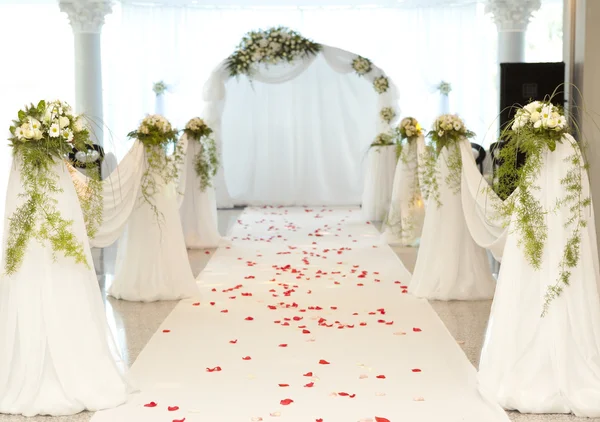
x=303 y=142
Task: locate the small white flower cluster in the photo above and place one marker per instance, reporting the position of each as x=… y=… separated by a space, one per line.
x=387 y=114
x=409 y=127
x=381 y=84
x=196 y=124
x=361 y=65
x=155 y=123
x=159 y=87
x=383 y=139
x=447 y=123
x=444 y=87
x=57 y=121
x=271 y=46
x=540 y=115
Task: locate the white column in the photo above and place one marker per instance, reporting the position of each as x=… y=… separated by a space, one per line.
x=87 y=18
x=511 y=18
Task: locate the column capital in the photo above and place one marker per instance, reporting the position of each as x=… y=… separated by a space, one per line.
x=512 y=15
x=86 y=16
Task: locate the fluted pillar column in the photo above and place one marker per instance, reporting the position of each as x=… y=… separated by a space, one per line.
x=511 y=18
x=87 y=18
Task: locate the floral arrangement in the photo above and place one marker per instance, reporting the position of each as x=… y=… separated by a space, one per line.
x=537 y=128
x=447 y=131
x=381 y=84
x=387 y=114
x=41 y=136
x=206 y=161
x=408 y=130
x=361 y=65
x=271 y=46
x=383 y=139
x=445 y=88
x=157 y=134
x=159 y=88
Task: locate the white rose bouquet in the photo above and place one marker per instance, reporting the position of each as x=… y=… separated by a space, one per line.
x=155 y=130
x=206 y=161
x=41 y=136
x=540 y=116
x=387 y=114
x=448 y=129
x=272 y=46
x=361 y=65
x=51 y=127
x=409 y=128
x=381 y=84
x=196 y=129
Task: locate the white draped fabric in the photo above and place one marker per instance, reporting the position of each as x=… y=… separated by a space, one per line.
x=450 y=265
x=547 y=364
x=379 y=181
x=199 y=208
x=301 y=142
x=152 y=262
x=405 y=219
x=480 y=205
x=57 y=355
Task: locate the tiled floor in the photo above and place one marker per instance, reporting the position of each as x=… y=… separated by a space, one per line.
x=134 y=323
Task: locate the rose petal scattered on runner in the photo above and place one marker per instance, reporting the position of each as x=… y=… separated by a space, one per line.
x=151 y=404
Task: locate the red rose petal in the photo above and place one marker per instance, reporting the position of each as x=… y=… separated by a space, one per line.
x=224 y=311
x=212 y=303
x=284 y=385
x=417 y=330
x=323 y=362
x=166 y=331
x=172 y=408
x=196 y=304
x=283 y=345
x=310 y=385
x=179 y=420
x=381 y=377
x=286 y=402
x=151 y=404
x=246 y=358
x=416 y=370
x=249 y=318
x=233 y=341
x=308 y=374
x=378 y=419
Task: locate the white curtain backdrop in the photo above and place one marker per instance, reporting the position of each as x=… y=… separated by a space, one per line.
x=416 y=47
x=302 y=142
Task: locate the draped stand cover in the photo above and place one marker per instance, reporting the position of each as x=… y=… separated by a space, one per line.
x=406 y=215
x=152 y=262
x=450 y=265
x=547 y=364
x=379 y=180
x=57 y=355
x=215 y=96
x=199 y=208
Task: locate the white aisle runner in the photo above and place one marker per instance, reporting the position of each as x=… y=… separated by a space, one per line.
x=304 y=318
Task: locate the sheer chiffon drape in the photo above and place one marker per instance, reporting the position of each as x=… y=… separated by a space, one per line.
x=547 y=364
x=57 y=355
x=450 y=265
x=302 y=142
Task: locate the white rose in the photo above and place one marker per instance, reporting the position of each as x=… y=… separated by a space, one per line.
x=535 y=116
x=27 y=131
x=537 y=124
x=37 y=134
x=551 y=123
x=78 y=124
x=63 y=121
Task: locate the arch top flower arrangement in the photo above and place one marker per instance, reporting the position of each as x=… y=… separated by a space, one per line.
x=271 y=46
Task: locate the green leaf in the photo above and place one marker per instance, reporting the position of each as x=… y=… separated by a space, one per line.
x=41 y=106
x=551 y=145
x=22 y=115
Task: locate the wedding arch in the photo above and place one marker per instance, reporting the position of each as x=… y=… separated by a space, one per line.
x=313 y=151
